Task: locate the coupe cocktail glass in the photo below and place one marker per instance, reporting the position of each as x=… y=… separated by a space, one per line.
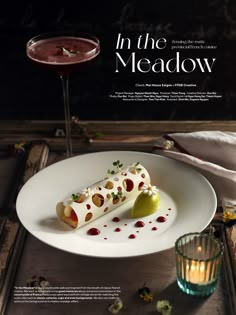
x=63 y=52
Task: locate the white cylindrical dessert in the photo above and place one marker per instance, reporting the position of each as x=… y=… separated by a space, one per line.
x=103 y=196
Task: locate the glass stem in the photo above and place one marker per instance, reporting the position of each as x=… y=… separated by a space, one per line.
x=65 y=87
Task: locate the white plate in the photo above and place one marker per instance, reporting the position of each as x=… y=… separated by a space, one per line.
x=188 y=202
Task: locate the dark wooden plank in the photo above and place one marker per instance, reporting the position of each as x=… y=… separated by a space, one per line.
x=12 y=233
x=114 y=127
x=141 y=134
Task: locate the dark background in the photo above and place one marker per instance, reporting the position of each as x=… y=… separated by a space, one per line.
x=28 y=92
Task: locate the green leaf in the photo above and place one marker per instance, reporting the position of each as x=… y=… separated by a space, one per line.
x=74 y=196
x=116 y=163
x=117 y=195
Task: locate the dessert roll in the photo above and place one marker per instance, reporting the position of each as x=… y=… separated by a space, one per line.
x=102 y=197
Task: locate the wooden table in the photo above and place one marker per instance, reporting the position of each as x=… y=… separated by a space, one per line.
x=23 y=256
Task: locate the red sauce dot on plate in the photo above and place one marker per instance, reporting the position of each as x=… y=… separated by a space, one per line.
x=88 y=206
x=150 y=222
x=125 y=224
x=154 y=228
x=167 y=214
x=93 y=231
x=143 y=175
x=117 y=230
x=105 y=238
x=169 y=208
x=105 y=225
x=139 y=224
x=116 y=219
x=132 y=236
x=161 y=219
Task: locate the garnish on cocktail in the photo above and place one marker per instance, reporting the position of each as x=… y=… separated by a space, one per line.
x=68 y=52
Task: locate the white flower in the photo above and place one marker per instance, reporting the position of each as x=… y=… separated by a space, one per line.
x=168 y=144
x=116 y=306
x=149 y=189
x=44 y=284
x=86 y=192
x=164 y=307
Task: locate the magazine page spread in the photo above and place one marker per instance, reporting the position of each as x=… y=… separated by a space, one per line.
x=101 y=227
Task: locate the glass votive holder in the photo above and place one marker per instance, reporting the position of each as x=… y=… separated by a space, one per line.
x=198 y=263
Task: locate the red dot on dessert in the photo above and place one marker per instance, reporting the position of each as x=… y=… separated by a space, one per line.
x=105 y=225
x=116 y=219
x=117 y=230
x=132 y=236
x=88 y=206
x=169 y=208
x=154 y=228
x=150 y=222
x=128 y=184
x=140 y=185
x=137 y=231
x=143 y=175
x=73 y=216
x=105 y=238
x=125 y=224
x=167 y=214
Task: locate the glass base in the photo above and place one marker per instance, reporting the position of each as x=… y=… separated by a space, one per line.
x=196 y=289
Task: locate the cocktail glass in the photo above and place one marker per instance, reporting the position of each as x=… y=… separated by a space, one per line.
x=63 y=52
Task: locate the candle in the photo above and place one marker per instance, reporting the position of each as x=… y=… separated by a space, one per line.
x=197 y=272
x=198 y=261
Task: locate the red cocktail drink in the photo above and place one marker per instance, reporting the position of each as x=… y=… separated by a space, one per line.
x=63 y=53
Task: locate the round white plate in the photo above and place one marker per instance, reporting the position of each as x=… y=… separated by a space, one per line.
x=188 y=203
